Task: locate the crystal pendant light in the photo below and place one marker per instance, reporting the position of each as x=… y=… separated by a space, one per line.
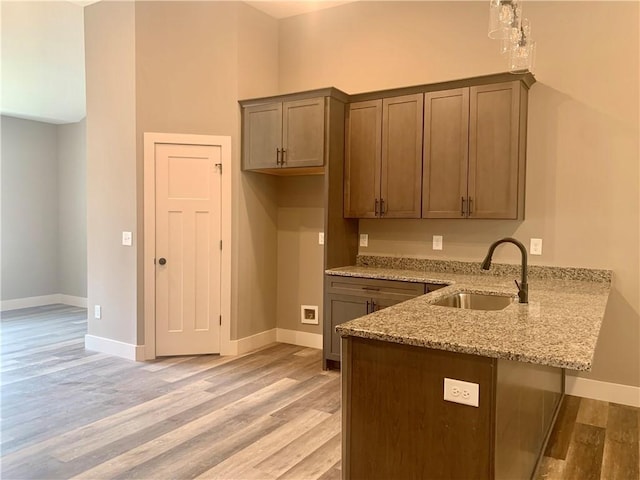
x=513 y=31
x=502 y=14
x=506 y=24
x=522 y=52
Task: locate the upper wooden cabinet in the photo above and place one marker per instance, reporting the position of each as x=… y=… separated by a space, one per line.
x=383 y=158
x=363 y=159
x=446 y=153
x=474 y=152
x=280 y=135
x=497 y=150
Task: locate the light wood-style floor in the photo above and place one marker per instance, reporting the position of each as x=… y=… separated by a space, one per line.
x=70 y=413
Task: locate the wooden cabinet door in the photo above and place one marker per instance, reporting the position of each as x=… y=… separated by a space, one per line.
x=446 y=134
x=363 y=159
x=494 y=157
x=401 y=176
x=381 y=303
x=303 y=133
x=340 y=309
x=261 y=136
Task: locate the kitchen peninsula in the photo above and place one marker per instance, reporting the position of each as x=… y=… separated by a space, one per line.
x=396 y=423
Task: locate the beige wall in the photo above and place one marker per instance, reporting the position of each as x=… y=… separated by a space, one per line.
x=174 y=67
x=255 y=217
x=72 y=209
x=583 y=157
x=300 y=257
x=111 y=169
x=30 y=192
x=44 y=242
x=185 y=80
x=181 y=67
x=194 y=61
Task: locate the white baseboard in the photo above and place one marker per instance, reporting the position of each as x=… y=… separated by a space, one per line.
x=27 y=302
x=282 y=335
x=114 y=347
x=605 y=391
x=247 y=344
x=73 y=301
x=303 y=339
x=41 y=300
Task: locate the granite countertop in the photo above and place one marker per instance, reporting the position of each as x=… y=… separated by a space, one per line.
x=559 y=327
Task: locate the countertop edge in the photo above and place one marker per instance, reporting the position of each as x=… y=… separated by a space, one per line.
x=572 y=329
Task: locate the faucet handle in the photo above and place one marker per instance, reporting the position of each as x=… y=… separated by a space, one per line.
x=523 y=292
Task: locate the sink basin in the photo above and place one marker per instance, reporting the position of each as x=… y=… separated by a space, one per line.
x=476 y=301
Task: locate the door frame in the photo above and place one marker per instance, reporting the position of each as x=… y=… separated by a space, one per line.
x=151 y=139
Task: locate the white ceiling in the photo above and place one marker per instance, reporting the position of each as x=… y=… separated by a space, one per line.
x=290 y=9
x=42 y=63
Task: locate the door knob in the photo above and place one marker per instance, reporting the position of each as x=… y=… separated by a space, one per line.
x=162 y=261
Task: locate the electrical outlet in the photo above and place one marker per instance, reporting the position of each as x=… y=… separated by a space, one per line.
x=364 y=240
x=458 y=391
x=535 y=248
x=97 y=311
x=126 y=239
x=437 y=242
x=321 y=238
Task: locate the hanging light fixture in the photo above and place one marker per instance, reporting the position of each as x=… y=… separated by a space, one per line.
x=502 y=14
x=506 y=24
x=523 y=50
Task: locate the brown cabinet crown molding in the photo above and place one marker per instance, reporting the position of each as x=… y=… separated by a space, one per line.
x=306 y=94
x=526 y=78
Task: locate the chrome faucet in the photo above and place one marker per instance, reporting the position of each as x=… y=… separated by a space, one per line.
x=523 y=287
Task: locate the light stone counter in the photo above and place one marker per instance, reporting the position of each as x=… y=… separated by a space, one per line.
x=559 y=327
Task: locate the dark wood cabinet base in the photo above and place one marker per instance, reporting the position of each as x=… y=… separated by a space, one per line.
x=396 y=423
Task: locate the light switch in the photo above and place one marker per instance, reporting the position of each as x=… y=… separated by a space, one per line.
x=364 y=240
x=126 y=239
x=97 y=311
x=321 y=238
x=535 y=248
x=437 y=242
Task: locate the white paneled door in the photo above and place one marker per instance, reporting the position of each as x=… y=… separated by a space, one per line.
x=188 y=248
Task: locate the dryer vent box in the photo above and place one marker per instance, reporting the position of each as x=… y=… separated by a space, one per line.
x=309 y=314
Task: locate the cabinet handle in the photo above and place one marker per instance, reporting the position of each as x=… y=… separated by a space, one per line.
x=282 y=161
x=462 y=206
x=373 y=306
x=376 y=208
x=277 y=156
x=368 y=311
x=383 y=210
x=374 y=289
x=470 y=206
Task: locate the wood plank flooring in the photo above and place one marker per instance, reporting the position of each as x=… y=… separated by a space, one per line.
x=593 y=440
x=71 y=413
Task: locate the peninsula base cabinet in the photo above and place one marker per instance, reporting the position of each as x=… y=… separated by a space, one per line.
x=396 y=423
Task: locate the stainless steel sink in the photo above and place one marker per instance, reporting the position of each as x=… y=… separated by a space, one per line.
x=476 y=301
